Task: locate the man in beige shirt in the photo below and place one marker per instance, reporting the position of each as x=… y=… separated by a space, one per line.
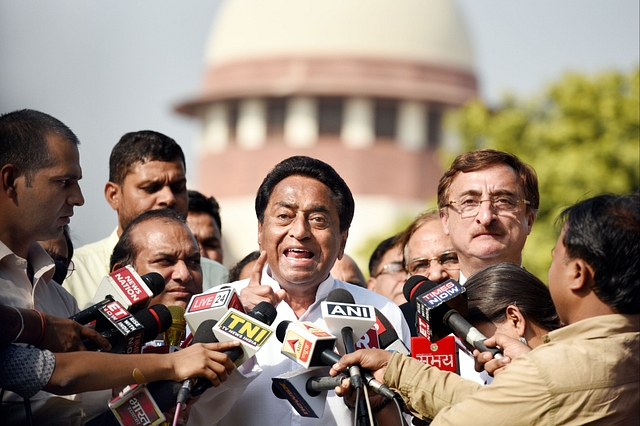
x=586 y=372
x=147 y=171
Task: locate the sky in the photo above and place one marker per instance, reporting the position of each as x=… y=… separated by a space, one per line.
x=105 y=68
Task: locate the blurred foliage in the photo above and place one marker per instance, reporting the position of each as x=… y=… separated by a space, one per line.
x=582 y=136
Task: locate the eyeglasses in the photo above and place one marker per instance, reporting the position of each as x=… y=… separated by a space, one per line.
x=70 y=268
x=469 y=207
x=448 y=260
x=393 y=268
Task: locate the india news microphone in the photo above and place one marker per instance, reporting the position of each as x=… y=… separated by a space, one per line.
x=125 y=286
x=162 y=395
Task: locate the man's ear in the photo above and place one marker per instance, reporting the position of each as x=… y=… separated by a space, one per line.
x=112 y=193
x=260 y=235
x=531 y=217
x=371 y=284
x=444 y=218
x=581 y=275
x=343 y=243
x=9 y=175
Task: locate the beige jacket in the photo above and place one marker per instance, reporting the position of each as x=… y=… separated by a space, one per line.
x=587 y=372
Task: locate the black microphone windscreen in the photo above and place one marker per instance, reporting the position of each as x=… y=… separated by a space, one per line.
x=420 y=287
x=411 y=282
x=389 y=335
x=155 y=322
x=276 y=391
x=154 y=281
x=281 y=330
x=340 y=295
x=204 y=333
x=264 y=312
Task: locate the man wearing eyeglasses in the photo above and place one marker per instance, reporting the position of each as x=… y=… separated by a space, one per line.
x=427 y=250
x=488 y=201
x=386 y=272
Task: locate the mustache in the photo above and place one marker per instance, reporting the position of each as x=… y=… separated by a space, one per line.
x=493 y=228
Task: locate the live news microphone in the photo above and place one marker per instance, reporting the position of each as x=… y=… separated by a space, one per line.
x=440 y=307
x=125 y=286
x=213 y=304
x=127 y=333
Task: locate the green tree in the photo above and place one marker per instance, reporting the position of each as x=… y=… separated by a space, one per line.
x=582 y=136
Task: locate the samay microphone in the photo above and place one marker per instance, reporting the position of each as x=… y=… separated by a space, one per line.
x=440 y=308
x=125 y=286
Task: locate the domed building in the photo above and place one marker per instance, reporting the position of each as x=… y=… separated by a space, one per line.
x=359 y=84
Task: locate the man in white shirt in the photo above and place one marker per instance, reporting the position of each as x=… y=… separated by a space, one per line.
x=40 y=169
x=304 y=211
x=147 y=171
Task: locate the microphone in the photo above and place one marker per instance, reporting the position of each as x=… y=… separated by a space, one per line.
x=175 y=333
x=388 y=336
x=340 y=311
x=440 y=309
x=468 y=333
x=144 y=404
x=139 y=405
x=320 y=353
x=305 y=343
x=340 y=308
x=304 y=390
x=206 y=334
x=127 y=333
x=252 y=329
x=125 y=286
x=211 y=305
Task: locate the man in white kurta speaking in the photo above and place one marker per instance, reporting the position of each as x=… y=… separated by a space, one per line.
x=304 y=211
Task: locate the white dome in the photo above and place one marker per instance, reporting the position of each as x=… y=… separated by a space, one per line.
x=429 y=31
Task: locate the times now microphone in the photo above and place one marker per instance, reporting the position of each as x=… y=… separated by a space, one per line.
x=126 y=287
x=212 y=305
x=127 y=333
x=440 y=309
